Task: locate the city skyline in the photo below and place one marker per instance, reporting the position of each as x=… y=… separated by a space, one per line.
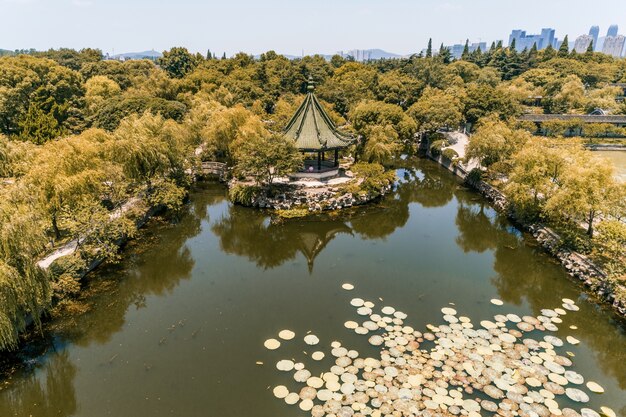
x=398 y=26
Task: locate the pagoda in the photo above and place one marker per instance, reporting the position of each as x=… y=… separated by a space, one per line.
x=317 y=137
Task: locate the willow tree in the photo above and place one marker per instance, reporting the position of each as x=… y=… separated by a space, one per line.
x=584 y=192
x=382 y=144
x=24 y=287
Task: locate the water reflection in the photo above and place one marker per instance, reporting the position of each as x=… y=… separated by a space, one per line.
x=430 y=237
x=51 y=394
x=251 y=234
x=524 y=273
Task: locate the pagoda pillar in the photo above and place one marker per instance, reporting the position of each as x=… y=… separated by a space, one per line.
x=319 y=161
x=336 y=158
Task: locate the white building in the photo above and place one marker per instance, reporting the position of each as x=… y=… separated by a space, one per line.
x=582 y=43
x=614 y=45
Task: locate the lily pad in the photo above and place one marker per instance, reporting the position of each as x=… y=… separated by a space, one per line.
x=271 y=344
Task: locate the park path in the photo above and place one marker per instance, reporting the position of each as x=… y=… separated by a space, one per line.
x=459 y=141
x=71 y=246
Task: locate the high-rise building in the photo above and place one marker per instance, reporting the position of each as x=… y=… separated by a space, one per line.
x=614 y=45
x=594 y=32
x=523 y=40
x=582 y=43
x=456 y=50
x=612 y=30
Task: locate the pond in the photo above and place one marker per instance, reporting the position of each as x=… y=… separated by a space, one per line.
x=618 y=159
x=177 y=328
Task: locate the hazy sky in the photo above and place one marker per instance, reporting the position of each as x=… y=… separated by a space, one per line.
x=289 y=26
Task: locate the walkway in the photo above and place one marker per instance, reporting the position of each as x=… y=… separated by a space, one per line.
x=459 y=141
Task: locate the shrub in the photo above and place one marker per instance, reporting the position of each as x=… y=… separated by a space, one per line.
x=436 y=147
x=474 y=176
x=450 y=154
x=243 y=194
x=374 y=177
x=293 y=213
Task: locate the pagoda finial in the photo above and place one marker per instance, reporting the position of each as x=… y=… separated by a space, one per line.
x=311 y=84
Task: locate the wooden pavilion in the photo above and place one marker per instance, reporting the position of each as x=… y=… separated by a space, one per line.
x=317 y=137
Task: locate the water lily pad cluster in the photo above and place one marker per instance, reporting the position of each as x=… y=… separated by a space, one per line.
x=508 y=365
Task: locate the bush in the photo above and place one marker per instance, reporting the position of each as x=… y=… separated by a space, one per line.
x=474 y=176
x=374 y=177
x=293 y=213
x=243 y=194
x=117 y=108
x=450 y=154
x=436 y=147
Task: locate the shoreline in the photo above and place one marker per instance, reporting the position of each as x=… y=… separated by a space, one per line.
x=577 y=265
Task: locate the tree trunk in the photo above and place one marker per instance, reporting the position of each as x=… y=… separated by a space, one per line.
x=590 y=225
x=55 y=227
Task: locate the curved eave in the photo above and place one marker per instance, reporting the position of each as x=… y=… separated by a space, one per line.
x=312 y=129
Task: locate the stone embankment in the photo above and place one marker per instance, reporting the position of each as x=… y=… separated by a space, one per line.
x=313 y=198
x=576 y=264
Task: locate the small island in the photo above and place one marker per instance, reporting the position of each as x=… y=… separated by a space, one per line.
x=302 y=171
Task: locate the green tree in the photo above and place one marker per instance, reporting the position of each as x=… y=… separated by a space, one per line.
x=265 y=157
x=436 y=109
x=610 y=247
x=382 y=144
x=369 y=113
x=178 y=62
x=494 y=142
x=564 y=48
x=429 y=49
x=466 y=51
x=583 y=192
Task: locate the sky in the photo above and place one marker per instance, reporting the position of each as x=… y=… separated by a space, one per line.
x=289 y=26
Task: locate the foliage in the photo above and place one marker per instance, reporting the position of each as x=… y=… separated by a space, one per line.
x=474 y=176
x=450 y=154
x=293 y=213
x=178 y=62
x=243 y=194
x=382 y=144
x=373 y=177
x=436 y=147
x=265 y=157
x=437 y=109
x=610 y=247
x=495 y=142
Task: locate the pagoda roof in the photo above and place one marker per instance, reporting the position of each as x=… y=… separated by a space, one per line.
x=312 y=129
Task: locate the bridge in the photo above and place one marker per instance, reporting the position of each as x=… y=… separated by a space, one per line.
x=219 y=169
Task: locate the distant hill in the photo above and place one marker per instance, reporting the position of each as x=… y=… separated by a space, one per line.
x=152 y=54
x=370 y=54
x=4 y=52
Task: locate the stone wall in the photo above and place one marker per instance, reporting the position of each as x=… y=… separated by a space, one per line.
x=314 y=199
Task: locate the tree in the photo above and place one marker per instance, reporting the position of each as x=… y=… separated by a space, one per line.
x=610 y=247
x=53 y=90
x=466 y=51
x=178 y=62
x=38 y=126
x=548 y=53
x=265 y=157
x=444 y=55
x=382 y=144
x=494 y=142
x=429 y=49
x=536 y=173
x=583 y=192
x=98 y=90
x=564 y=48
x=370 y=113
x=436 y=109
